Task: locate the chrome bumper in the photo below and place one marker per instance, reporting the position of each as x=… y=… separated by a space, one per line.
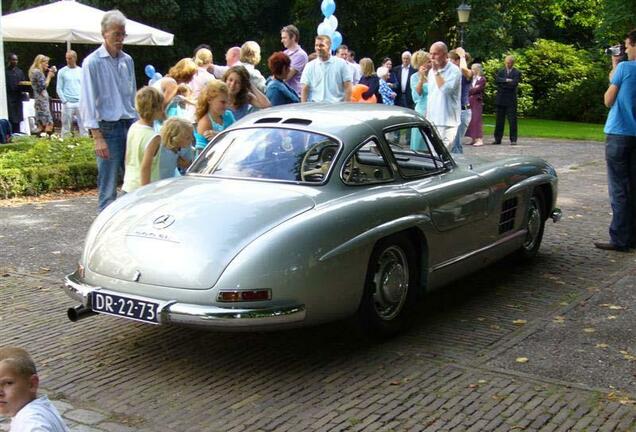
x=556 y=215
x=211 y=317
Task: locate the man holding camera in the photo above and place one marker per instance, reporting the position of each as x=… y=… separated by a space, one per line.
x=620 y=149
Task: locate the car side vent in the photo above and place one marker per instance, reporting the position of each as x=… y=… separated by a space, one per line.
x=268 y=120
x=508 y=212
x=298 y=121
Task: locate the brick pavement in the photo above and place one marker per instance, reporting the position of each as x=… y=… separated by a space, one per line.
x=454 y=370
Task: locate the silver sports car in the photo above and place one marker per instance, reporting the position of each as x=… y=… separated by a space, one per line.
x=310 y=213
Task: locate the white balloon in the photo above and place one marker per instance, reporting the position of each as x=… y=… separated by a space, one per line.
x=333 y=22
x=324 y=29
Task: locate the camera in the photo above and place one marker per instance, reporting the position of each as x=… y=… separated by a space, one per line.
x=616 y=50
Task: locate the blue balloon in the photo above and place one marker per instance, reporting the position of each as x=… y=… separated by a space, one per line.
x=336 y=40
x=328 y=7
x=324 y=29
x=150 y=71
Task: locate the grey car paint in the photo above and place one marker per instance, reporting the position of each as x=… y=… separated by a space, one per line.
x=309 y=244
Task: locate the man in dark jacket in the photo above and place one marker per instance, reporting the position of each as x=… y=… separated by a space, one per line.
x=507 y=80
x=14 y=93
x=403 y=74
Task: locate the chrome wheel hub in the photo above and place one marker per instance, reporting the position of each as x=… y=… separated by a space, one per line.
x=534 y=225
x=391 y=281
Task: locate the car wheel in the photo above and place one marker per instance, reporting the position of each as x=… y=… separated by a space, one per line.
x=534 y=225
x=390 y=290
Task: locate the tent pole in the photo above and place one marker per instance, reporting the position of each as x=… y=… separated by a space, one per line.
x=4 y=113
x=68 y=45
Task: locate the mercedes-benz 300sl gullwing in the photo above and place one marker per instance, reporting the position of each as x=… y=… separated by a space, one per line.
x=310 y=213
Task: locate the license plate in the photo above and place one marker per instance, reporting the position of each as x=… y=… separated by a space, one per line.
x=126 y=307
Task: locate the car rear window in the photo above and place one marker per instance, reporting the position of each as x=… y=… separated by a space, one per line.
x=269 y=154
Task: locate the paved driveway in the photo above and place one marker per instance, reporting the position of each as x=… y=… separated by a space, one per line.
x=570 y=313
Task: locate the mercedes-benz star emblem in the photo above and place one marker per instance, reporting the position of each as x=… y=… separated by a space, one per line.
x=163 y=221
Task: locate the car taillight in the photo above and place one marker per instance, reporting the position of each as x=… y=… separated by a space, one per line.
x=80 y=271
x=244 y=296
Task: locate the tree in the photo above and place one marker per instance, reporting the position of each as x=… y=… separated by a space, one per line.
x=617 y=18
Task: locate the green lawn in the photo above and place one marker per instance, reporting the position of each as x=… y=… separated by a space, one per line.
x=539 y=128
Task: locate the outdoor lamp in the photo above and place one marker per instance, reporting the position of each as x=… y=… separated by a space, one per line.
x=463 y=14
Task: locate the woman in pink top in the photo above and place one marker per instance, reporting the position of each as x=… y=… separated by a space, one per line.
x=203 y=60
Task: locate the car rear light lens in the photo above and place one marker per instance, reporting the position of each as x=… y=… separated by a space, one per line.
x=245 y=296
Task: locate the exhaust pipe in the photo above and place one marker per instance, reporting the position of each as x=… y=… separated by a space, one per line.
x=79 y=312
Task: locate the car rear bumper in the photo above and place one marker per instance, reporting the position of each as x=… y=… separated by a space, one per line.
x=203 y=316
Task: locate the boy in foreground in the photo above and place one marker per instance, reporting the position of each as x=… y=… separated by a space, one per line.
x=18 y=395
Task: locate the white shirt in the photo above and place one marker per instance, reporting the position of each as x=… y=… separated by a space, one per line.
x=39 y=415
x=356 y=73
x=444 y=104
x=199 y=80
x=256 y=78
x=326 y=79
x=405 y=77
x=69 y=84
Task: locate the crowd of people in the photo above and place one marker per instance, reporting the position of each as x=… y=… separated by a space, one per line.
x=101 y=95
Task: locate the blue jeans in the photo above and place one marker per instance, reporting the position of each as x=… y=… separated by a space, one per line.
x=109 y=170
x=620 y=155
x=464 y=121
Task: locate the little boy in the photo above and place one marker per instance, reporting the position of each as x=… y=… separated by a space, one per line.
x=18 y=395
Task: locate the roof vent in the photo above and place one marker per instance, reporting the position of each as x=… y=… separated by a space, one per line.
x=298 y=121
x=268 y=120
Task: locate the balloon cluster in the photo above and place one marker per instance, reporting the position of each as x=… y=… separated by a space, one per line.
x=329 y=25
x=151 y=73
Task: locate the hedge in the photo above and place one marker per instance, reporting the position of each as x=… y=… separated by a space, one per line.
x=33 y=166
x=558 y=82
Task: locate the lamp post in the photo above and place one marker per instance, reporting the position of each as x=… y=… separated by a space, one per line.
x=463 y=14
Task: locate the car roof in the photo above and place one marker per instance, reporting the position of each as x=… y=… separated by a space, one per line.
x=347 y=121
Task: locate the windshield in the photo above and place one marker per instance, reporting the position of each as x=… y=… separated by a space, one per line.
x=270 y=154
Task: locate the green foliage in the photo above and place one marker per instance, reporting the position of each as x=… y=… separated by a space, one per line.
x=33 y=151
x=617 y=18
x=19 y=145
x=33 y=166
x=558 y=81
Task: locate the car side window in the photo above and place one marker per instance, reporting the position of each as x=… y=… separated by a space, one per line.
x=414 y=152
x=367 y=165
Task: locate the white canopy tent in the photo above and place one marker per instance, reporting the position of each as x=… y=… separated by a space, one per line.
x=66 y=21
x=72 y=22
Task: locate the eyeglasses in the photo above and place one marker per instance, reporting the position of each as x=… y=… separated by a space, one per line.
x=118 y=34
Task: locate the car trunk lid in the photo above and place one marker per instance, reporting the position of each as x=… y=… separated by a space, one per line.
x=184 y=233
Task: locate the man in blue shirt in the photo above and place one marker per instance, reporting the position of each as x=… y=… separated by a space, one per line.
x=327 y=78
x=620 y=150
x=107 y=103
x=69 y=84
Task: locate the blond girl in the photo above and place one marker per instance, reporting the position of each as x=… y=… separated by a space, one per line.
x=140 y=160
x=212 y=114
x=176 y=135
